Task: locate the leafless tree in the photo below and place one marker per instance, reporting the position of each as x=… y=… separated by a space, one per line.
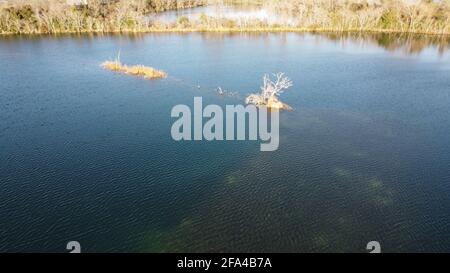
x=270 y=91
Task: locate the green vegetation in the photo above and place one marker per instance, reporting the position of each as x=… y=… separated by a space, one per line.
x=56 y=16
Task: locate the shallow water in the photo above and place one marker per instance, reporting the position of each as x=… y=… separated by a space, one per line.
x=87 y=155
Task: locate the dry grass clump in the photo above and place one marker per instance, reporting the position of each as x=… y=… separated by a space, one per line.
x=273 y=102
x=145 y=71
x=113 y=65
x=135 y=70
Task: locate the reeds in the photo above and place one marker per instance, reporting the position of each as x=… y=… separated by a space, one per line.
x=135 y=70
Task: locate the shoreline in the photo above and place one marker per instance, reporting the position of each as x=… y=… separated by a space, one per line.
x=235 y=30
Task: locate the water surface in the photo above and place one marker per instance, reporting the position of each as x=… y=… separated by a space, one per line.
x=87 y=155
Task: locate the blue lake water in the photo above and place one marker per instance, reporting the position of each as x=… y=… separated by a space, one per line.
x=87 y=155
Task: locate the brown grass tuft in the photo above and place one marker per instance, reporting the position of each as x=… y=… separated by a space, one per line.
x=135 y=70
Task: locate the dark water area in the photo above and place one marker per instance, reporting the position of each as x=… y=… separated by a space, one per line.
x=87 y=155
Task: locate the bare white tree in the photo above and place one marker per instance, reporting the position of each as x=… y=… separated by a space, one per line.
x=270 y=91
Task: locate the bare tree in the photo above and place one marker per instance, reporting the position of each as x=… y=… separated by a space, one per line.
x=270 y=91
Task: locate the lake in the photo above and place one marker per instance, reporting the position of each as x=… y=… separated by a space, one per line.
x=86 y=154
